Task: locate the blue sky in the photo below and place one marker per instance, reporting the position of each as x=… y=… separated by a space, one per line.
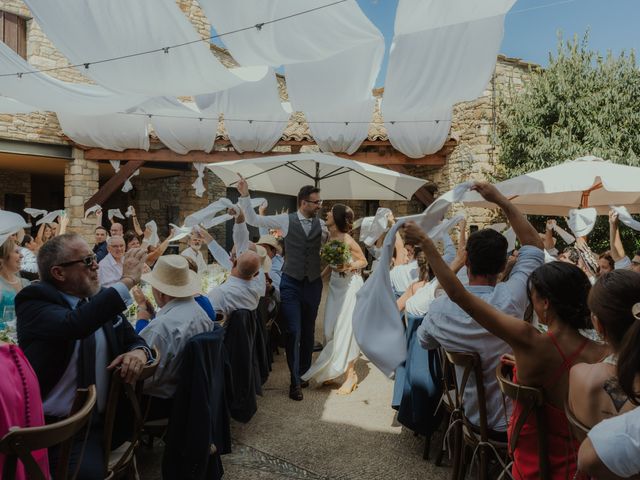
x=531 y=29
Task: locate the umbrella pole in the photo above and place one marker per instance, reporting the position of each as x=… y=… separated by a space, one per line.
x=316 y=180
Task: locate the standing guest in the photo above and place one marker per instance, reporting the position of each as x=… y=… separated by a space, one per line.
x=29 y=251
x=193 y=251
x=594 y=392
x=100 y=246
x=45 y=233
x=274 y=250
x=448 y=326
x=131 y=240
x=10 y=282
x=301 y=284
x=74 y=334
x=111 y=266
x=173 y=285
x=20 y=402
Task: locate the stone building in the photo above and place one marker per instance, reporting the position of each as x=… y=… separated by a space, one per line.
x=41 y=168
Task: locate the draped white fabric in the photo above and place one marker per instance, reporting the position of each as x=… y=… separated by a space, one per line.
x=93 y=30
x=180 y=126
x=47 y=93
x=256 y=101
x=115 y=131
x=9 y=105
x=421 y=137
x=442 y=53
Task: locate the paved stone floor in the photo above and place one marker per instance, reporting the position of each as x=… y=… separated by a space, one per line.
x=326 y=436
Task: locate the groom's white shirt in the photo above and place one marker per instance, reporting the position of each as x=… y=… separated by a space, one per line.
x=280 y=221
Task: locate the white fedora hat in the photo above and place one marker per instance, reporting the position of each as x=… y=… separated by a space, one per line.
x=171 y=276
x=264 y=258
x=271 y=241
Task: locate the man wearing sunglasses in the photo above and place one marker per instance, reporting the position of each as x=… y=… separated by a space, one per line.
x=300 y=285
x=74 y=335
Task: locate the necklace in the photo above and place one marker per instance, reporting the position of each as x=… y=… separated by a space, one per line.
x=12 y=282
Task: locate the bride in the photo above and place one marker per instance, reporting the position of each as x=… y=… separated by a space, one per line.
x=341 y=351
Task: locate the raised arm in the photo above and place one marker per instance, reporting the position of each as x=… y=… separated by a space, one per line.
x=521 y=226
x=515 y=332
x=548 y=234
x=615 y=242
x=240 y=234
x=220 y=255
x=153 y=256
x=136 y=224
x=280 y=222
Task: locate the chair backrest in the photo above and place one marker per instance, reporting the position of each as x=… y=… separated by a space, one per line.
x=471 y=365
x=532 y=401
x=578 y=429
x=134 y=396
x=20 y=442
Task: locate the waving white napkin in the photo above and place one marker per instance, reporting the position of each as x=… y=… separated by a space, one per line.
x=10 y=223
x=372 y=228
x=50 y=217
x=128 y=186
x=377 y=325
x=34 y=212
x=153 y=239
x=199 y=184
x=582 y=220
x=114 y=213
x=207 y=216
x=115 y=164
x=130 y=211
x=625 y=217
x=180 y=232
x=91 y=210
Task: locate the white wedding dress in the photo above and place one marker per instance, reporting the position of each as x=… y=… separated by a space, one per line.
x=341 y=347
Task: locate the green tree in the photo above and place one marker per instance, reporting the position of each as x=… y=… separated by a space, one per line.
x=583 y=103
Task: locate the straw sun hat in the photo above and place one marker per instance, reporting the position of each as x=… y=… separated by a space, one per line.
x=271 y=241
x=265 y=260
x=171 y=276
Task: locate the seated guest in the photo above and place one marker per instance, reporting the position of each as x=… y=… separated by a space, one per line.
x=10 y=281
x=274 y=251
x=173 y=285
x=606 y=263
x=193 y=251
x=558 y=292
x=447 y=325
x=74 y=334
x=100 y=246
x=243 y=288
x=110 y=270
x=402 y=276
x=20 y=403
x=29 y=251
x=202 y=300
x=618 y=254
x=594 y=392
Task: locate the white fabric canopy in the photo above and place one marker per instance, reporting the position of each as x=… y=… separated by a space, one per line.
x=586 y=182
x=93 y=30
x=47 y=93
x=256 y=101
x=337 y=177
x=418 y=138
x=442 y=53
x=178 y=133
x=9 y=105
x=115 y=131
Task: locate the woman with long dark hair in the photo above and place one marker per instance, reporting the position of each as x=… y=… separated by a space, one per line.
x=341 y=350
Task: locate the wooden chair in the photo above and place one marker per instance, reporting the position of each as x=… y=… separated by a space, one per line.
x=121 y=461
x=19 y=443
x=578 y=429
x=476 y=437
x=532 y=401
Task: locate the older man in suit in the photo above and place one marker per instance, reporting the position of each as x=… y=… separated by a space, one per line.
x=73 y=333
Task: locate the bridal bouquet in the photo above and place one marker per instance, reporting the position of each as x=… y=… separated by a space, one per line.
x=336 y=253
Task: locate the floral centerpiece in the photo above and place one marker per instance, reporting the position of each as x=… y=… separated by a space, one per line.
x=336 y=253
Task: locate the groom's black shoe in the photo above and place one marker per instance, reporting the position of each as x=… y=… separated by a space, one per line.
x=304 y=384
x=295 y=393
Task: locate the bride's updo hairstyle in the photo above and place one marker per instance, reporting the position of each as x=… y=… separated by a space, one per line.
x=342 y=217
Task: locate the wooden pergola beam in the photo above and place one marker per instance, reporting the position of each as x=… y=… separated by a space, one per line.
x=380 y=157
x=115 y=182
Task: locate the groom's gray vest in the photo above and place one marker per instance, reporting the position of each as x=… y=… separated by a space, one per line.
x=302 y=252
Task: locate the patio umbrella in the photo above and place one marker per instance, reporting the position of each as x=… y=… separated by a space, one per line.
x=339 y=179
x=581 y=183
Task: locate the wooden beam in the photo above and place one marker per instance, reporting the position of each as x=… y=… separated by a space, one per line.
x=115 y=182
x=380 y=157
x=422 y=194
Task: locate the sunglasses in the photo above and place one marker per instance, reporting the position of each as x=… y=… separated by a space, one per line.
x=87 y=261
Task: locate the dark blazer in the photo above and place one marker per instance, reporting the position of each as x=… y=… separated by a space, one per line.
x=48 y=328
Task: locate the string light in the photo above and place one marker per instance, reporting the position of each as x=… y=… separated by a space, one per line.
x=257 y=26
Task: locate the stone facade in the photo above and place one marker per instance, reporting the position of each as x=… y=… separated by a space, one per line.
x=81 y=179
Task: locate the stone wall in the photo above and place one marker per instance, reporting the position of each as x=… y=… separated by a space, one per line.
x=80 y=183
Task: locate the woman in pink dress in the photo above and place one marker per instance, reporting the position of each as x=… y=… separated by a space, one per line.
x=20 y=402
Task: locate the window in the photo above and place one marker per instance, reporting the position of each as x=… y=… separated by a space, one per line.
x=13 y=32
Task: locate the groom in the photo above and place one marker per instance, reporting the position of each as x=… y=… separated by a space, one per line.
x=301 y=285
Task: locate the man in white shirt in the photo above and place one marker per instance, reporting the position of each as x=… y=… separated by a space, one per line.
x=447 y=325
x=110 y=270
x=193 y=252
x=612 y=448
x=173 y=285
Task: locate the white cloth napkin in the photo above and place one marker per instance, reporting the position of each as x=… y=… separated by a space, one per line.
x=128 y=186
x=625 y=217
x=180 y=232
x=199 y=183
x=153 y=239
x=129 y=211
x=207 y=216
x=114 y=213
x=34 y=212
x=50 y=217
x=582 y=220
x=91 y=210
x=372 y=228
x=10 y=223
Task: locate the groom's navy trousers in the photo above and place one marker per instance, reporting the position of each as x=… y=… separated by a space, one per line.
x=299 y=301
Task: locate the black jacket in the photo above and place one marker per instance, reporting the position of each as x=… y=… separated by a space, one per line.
x=200 y=414
x=48 y=328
